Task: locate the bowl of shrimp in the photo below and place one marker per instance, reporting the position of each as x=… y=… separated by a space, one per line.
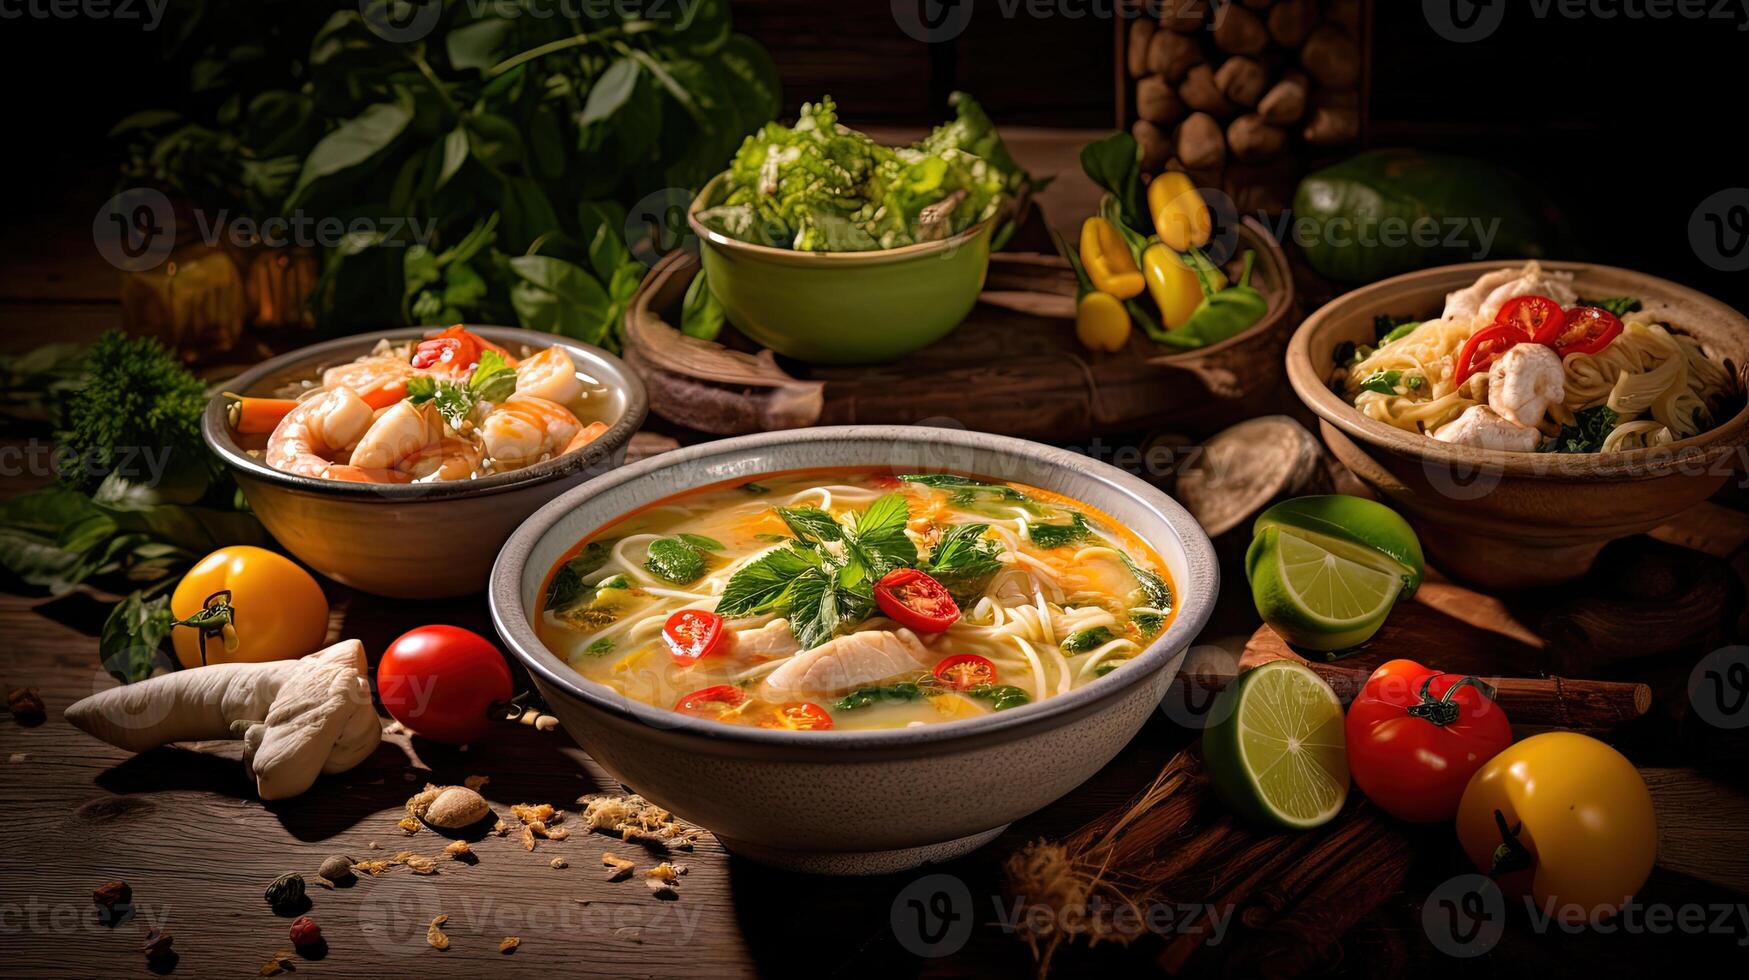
x=397 y=462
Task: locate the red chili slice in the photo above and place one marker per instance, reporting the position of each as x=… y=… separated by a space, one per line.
x=1538 y=316
x=711 y=702
x=692 y=635
x=1587 y=331
x=1484 y=346
x=798 y=716
x=965 y=670
x=916 y=601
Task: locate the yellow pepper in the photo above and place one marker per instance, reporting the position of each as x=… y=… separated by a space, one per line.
x=1172 y=284
x=1181 y=218
x=1101 y=322
x=1108 y=261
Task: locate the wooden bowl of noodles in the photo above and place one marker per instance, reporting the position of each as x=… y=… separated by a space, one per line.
x=1513 y=519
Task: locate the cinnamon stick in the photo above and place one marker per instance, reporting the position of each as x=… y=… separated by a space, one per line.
x=1553 y=702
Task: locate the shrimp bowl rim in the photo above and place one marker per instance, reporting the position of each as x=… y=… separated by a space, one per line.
x=603 y=367
x=1156 y=518
x=1350 y=315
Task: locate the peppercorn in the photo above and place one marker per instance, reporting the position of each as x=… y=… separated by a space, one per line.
x=305 y=933
x=285 y=892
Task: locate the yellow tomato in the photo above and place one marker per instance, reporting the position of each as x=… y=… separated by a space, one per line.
x=276 y=611
x=1565 y=819
x=1101 y=322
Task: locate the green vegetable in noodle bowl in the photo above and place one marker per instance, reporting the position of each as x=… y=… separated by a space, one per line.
x=849 y=599
x=821 y=187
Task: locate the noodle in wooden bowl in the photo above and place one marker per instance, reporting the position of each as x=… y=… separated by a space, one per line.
x=1672 y=380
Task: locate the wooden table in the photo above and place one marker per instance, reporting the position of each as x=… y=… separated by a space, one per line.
x=182 y=828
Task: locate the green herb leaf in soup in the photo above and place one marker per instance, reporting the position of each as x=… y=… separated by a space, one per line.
x=1049 y=536
x=764 y=584
x=673 y=560
x=811 y=524
x=567 y=588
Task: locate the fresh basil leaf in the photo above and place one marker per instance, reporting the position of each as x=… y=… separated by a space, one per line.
x=494 y=379
x=558 y=297
x=1107 y=666
x=701 y=315
x=675 y=561
x=862 y=697
x=1147 y=621
x=567 y=587
x=1383 y=382
x=1619 y=305
x=764 y=583
x=964 y=561
x=877 y=535
x=133 y=636
x=1001 y=696
x=811 y=523
x=813 y=608
x=701 y=542
x=600 y=648
x=355 y=141
x=1115 y=163
x=1154 y=589
x=610 y=91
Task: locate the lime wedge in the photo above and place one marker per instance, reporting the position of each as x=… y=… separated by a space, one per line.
x=1275 y=751
x=1314 y=596
x=1353 y=527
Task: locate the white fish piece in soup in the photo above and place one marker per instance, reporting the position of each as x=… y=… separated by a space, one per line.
x=849 y=661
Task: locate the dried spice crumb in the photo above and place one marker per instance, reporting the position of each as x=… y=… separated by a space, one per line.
x=528 y=838
x=26 y=706
x=475 y=782
x=618 y=868
x=558 y=863
x=110 y=894
x=434 y=933
x=667 y=872
x=421 y=865
x=281 y=962
x=500 y=828
x=375 y=846
x=637 y=820
x=373 y=868
x=460 y=851
x=557 y=833
x=543 y=813
x=508 y=944
x=662 y=889
x=325 y=883
x=408 y=826
x=157 y=944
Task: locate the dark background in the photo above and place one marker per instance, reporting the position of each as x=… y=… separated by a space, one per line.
x=1628 y=124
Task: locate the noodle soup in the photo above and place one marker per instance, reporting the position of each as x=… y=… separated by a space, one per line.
x=854 y=599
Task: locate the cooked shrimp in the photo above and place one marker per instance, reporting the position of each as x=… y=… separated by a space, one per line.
x=586 y=435
x=402 y=430
x=525 y=428
x=380 y=379
x=449 y=458
x=550 y=375
x=317 y=429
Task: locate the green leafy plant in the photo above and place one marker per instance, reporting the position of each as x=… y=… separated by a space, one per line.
x=512 y=146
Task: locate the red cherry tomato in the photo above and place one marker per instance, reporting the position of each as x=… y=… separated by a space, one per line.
x=965 y=670
x=1587 y=330
x=1537 y=316
x=798 y=716
x=1484 y=346
x=692 y=635
x=1415 y=736
x=442 y=681
x=916 y=601
x=712 y=702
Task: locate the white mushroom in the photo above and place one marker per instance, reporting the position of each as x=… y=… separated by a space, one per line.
x=1479 y=426
x=1524 y=382
x=298 y=718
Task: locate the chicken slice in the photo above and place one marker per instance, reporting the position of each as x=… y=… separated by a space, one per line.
x=774 y=639
x=850 y=660
x=1524 y=382
x=1486 y=295
x=1481 y=427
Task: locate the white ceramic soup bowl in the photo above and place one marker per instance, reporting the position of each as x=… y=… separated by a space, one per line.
x=864 y=802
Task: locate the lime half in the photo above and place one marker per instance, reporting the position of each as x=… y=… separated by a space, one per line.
x=1316 y=597
x=1275 y=751
x=1356 y=528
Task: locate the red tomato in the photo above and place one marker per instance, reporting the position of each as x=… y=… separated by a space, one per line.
x=442 y=681
x=711 y=702
x=798 y=716
x=965 y=670
x=1484 y=345
x=1415 y=736
x=916 y=601
x=692 y=635
x=1587 y=331
x=1537 y=316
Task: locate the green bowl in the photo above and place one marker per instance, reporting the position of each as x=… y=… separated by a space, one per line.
x=844 y=307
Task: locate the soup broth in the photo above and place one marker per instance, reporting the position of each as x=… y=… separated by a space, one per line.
x=854 y=599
